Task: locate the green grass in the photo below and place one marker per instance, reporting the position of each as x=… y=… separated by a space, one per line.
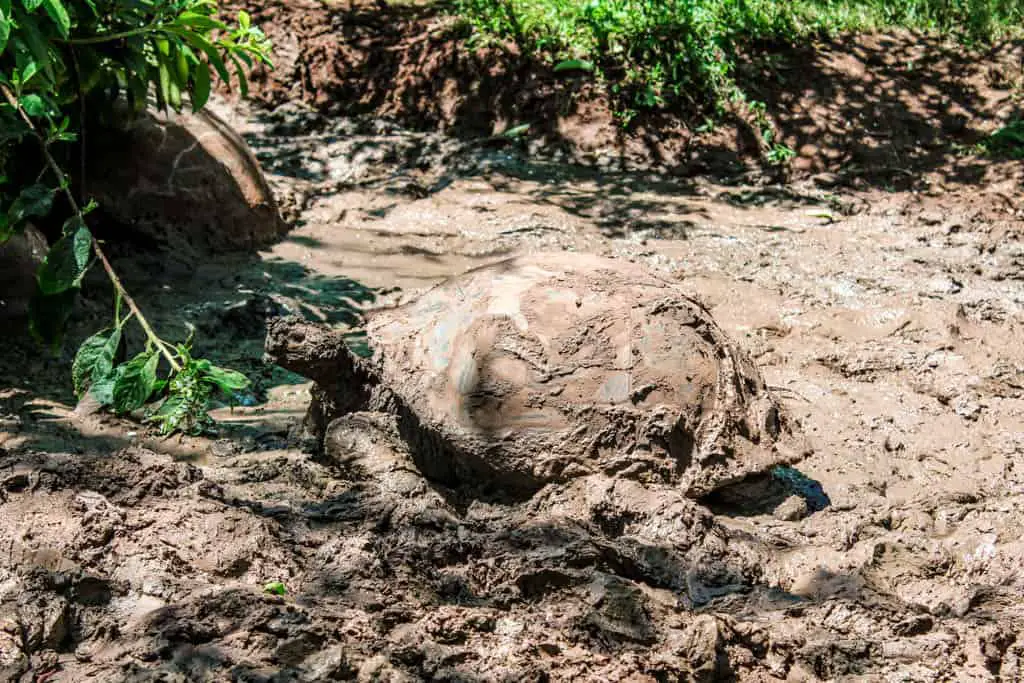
x=658 y=53
x=1007 y=142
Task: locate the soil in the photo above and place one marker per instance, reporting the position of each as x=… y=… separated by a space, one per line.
x=888 y=318
x=890 y=110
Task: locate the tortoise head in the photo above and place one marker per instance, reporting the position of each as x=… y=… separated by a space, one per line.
x=309 y=349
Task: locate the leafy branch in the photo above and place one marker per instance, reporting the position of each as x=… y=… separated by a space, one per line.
x=82 y=238
x=130 y=385
x=53 y=55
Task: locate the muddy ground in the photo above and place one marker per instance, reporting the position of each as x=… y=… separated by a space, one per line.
x=889 y=321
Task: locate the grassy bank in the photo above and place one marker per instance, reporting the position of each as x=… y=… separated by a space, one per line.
x=683 y=53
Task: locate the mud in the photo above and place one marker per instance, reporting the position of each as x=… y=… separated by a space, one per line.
x=890 y=323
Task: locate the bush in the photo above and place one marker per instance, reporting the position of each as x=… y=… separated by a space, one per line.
x=657 y=53
x=58 y=60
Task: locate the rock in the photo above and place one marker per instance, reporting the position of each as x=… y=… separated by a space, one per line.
x=620 y=610
x=914 y=625
x=704 y=649
x=967 y=408
x=826 y=180
x=20 y=256
x=183 y=182
x=13 y=659
x=792 y=509
x=379 y=670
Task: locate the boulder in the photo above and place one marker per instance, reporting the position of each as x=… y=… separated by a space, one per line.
x=182 y=182
x=20 y=256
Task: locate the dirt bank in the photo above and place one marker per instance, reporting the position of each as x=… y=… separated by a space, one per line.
x=892 y=110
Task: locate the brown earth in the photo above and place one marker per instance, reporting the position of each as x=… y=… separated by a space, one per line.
x=886 y=110
x=890 y=321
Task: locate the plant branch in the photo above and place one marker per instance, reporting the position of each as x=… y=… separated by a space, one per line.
x=113 y=36
x=111 y=273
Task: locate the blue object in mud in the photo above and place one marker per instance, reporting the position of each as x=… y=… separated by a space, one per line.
x=802 y=485
x=246 y=400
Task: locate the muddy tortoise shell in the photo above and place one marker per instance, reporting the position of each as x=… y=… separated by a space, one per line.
x=551 y=366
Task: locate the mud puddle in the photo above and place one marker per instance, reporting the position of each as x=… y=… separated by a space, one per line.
x=891 y=325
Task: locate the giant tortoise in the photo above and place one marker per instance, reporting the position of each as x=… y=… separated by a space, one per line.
x=548 y=367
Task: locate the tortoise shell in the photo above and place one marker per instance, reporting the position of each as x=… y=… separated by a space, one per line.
x=551 y=366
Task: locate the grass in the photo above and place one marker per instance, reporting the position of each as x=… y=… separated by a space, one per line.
x=683 y=53
x=1007 y=142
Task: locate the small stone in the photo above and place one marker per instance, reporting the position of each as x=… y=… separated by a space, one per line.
x=914 y=626
x=224 y=448
x=792 y=509
x=705 y=650
x=944 y=285
x=508 y=627
x=825 y=180
x=967 y=408
x=620 y=609
x=16 y=482
x=891 y=445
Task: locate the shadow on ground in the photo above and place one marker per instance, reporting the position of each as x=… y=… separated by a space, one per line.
x=227 y=301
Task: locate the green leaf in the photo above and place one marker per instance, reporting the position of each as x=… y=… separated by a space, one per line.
x=164 y=91
x=5 y=23
x=103 y=390
x=28 y=72
x=37 y=45
x=243 y=84
x=34 y=200
x=169 y=414
x=228 y=381
x=200 y=22
x=275 y=588
x=245 y=58
x=180 y=63
x=574 y=65
x=31 y=5
x=200 y=86
x=68 y=259
x=95 y=359
x=134 y=382
x=174 y=96
x=55 y=8
x=200 y=43
x=49 y=314
x=516 y=131
x=32 y=104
